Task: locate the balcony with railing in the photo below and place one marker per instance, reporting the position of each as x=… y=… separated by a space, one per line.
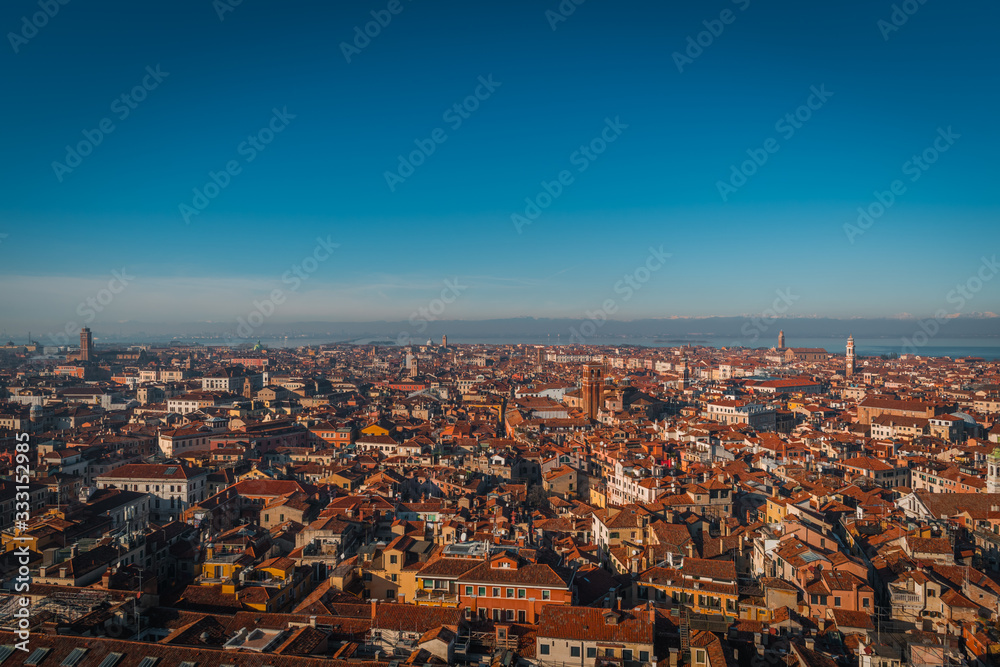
x=270 y=582
x=905 y=599
x=436 y=597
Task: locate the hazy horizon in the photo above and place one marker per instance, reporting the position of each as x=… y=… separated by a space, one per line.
x=747 y=331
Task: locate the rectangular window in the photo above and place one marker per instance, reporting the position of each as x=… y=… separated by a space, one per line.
x=643 y=656
x=546 y=594
x=521 y=593
x=544 y=649
x=591 y=652
x=627 y=654
x=510 y=592
x=574 y=651
x=836 y=601
x=496 y=592
x=468 y=591
x=482 y=591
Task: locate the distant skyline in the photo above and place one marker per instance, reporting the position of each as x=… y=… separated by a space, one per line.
x=296 y=132
x=746 y=331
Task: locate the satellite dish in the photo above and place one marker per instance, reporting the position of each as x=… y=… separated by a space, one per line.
x=463 y=537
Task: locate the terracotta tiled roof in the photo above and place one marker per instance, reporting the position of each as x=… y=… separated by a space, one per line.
x=448 y=567
x=132 y=654
x=304 y=641
x=192 y=633
x=978 y=505
x=847 y=619
x=953 y=598
x=594 y=624
x=414 y=618
x=532 y=574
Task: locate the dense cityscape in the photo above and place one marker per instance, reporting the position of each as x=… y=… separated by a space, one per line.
x=508 y=333
x=518 y=504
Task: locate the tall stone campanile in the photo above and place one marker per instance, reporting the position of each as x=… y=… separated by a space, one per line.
x=781 y=340
x=993 y=471
x=850 y=356
x=591 y=389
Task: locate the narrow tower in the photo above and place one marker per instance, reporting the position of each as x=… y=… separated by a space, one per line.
x=781 y=340
x=850 y=356
x=993 y=474
x=591 y=389
x=86 y=344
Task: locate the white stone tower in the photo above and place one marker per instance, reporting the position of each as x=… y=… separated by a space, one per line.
x=850 y=356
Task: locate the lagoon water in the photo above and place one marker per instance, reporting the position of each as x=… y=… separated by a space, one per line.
x=987 y=348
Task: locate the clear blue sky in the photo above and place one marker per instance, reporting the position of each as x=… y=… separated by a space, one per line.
x=656 y=184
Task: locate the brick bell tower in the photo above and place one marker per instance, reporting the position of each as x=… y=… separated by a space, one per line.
x=591 y=389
